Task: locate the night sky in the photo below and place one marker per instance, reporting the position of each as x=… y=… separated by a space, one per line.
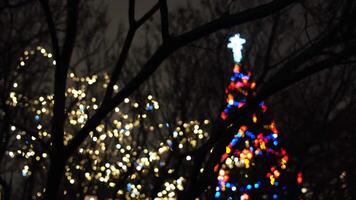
x=118 y=9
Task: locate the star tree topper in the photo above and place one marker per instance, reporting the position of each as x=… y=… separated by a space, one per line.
x=235 y=44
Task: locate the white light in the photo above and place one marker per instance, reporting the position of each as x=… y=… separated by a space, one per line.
x=236 y=45
x=188 y=158
x=304 y=190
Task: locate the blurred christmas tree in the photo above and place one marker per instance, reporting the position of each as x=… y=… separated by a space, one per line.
x=255 y=165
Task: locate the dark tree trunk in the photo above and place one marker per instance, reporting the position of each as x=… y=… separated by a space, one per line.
x=55 y=175
x=5 y=190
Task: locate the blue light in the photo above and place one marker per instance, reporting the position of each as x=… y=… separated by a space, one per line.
x=234 y=141
x=239 y=135
x=217 y=194
x=128 y=187
x=246 y=77
x=257 y=185
x=275 y=196
x=250 y=134
x=149 y=107
x=248 y=187
x=37 y=117
x=275 y=143
x=169 y=142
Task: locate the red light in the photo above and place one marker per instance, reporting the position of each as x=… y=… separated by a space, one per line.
x=300 y=178
x=216 y=167
x=224 y=156
x=240 y=105
x=223 y=116
x=245 y=197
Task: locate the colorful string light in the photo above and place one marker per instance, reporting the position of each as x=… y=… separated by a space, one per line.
x=254 y=164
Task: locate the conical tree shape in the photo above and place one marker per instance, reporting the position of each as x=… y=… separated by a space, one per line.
x=255 y=165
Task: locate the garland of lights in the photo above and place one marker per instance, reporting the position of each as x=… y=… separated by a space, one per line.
x=110 y=151
x=254 y=164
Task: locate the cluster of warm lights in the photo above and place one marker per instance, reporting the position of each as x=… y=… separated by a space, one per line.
x=170 y=188
x=122 y=150
x=253 y=163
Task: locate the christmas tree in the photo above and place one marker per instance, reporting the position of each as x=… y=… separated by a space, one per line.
x=254 y=165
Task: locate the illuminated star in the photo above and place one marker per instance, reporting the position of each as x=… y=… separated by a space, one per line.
x=236 y=45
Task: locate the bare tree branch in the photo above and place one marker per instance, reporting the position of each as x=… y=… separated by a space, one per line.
x=164 y=51
x=269 y=49
x=61 y=71
x=290 y=78
x=148 y=15
x=132 y=13
x=164 y=20
x=51 y=28
x=60 y=84
x=229 y=21
x=71 y=30
x=127 y=45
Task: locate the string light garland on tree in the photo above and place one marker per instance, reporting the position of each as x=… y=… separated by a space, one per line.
x=115 y=160
x=254 y=165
